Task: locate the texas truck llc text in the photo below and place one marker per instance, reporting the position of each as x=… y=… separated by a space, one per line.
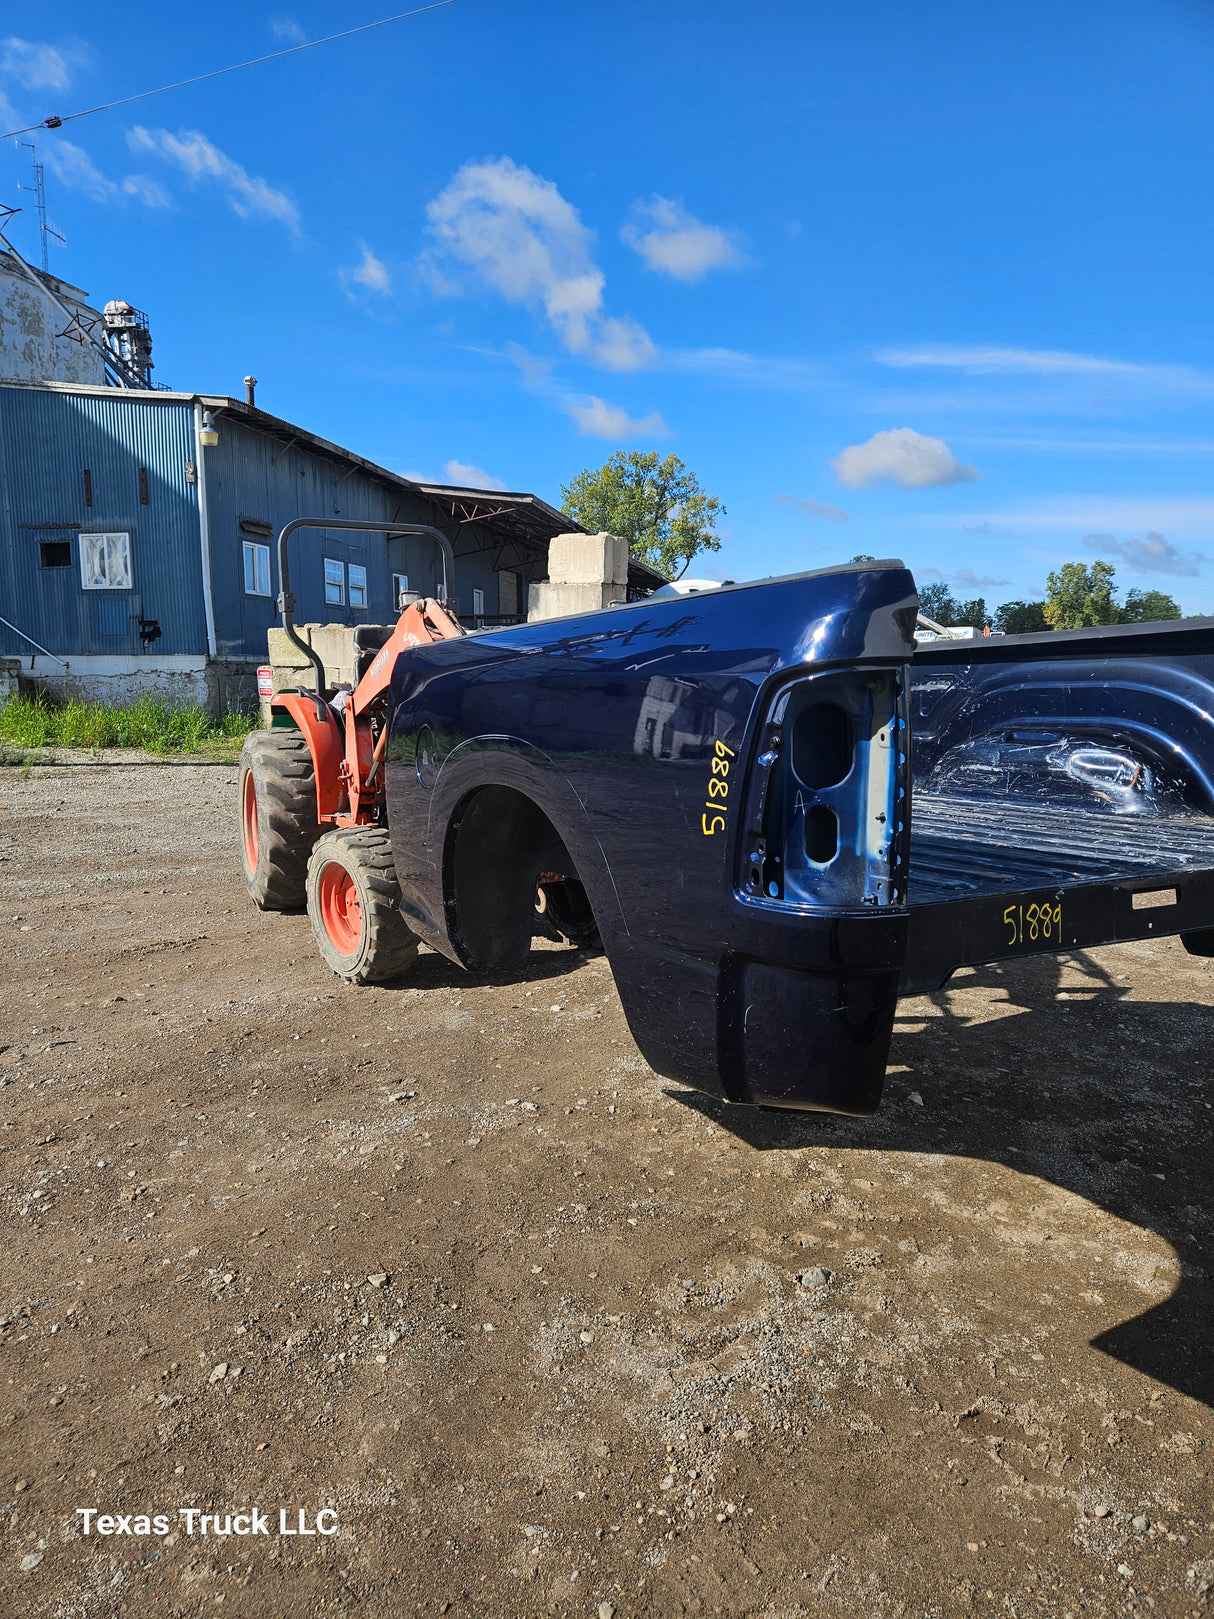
x=194 y=1521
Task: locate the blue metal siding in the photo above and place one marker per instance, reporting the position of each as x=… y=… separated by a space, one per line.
x=47 y=439
x=251 y=475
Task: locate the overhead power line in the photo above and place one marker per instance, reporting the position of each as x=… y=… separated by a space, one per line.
x=57 y=123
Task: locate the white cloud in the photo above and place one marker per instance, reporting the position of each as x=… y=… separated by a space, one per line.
x=371 y=273
x=593 y=415
x=977 y=581
x=738 y=368
x=469 y=476
x=519 y=235
x=815 y=508
x=903 y=457
x=287 y=29
x=965 y=577
x=199 y=160
x=1100 y=446
x=1189 y=516
x=72 y=166
x=1154 y=554
x=150 y=192
x=39 y=66
x=674 y=241
x=989 y=359
x=597 y=419
x=622 y=344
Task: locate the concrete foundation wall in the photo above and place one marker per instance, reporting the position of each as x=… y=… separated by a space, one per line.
x=215 y=685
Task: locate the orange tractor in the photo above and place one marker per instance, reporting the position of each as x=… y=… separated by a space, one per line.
x=312 y=812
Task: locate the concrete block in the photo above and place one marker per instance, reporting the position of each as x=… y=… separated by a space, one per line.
x=335 y=645
x=285 y=654
x=559 y=600
x=587 y=559
x=619 y=575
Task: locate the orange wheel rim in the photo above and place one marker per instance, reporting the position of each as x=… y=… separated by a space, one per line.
x=341 y=914
x=249 y=821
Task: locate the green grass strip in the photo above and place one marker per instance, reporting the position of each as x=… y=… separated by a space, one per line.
x=148 y=723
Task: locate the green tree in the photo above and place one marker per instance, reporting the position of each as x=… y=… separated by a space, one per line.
x=937 y=602
x=1079 y=595
x=657 y=506
x=1021 y=618
x=1147 y=606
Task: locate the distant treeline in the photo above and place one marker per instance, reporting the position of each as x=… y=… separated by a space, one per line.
x=1078 y=595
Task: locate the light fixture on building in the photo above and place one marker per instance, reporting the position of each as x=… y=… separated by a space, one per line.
x=208 y=434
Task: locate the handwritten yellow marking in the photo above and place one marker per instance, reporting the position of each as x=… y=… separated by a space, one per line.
x=718 y=791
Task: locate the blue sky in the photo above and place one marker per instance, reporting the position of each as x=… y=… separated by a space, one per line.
x=925 y=280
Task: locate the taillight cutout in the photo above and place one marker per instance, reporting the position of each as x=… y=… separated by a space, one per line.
x=821 y=834
x=823 y=745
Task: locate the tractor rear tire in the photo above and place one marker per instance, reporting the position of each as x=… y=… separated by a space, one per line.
x=278 y=824
x=354 y=906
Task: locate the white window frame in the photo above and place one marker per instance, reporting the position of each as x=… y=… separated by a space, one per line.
x=478 y=604
x=400 y=584
x=335 y=580
x=259 y=556
x=359 y=585
x=113 y=552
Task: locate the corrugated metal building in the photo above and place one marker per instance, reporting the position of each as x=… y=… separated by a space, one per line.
x=135 y=557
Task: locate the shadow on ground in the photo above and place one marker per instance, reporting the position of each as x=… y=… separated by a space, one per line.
x=1102 y=1096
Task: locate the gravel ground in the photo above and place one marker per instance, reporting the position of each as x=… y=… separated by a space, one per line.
x=544 y=1333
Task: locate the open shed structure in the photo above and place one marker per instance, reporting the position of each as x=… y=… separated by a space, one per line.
x=136 y=554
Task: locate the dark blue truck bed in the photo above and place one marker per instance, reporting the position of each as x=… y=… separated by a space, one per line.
x=779 y=815
x=1080 y=762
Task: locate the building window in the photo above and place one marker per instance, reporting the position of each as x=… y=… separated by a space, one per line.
x=400 y=585
x=256 y=569
x=478 y=604
x=358 y=585
x=335 y=583
x=105 y=561
x=56 y=553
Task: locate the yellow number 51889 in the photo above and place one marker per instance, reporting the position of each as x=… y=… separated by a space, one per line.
x=1039 y=921
x=716 y=804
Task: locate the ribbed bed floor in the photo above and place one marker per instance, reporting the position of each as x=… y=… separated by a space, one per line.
x=963 y=847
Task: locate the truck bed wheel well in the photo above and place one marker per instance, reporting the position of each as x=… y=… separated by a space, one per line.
x=498 y=843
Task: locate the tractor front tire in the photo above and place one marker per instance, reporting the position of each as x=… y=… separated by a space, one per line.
x=354 y=906
x=278 y=824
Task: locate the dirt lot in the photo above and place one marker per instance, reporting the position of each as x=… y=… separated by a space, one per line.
x=527 y=1318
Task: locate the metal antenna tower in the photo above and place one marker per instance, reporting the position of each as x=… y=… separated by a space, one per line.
x=39 y=190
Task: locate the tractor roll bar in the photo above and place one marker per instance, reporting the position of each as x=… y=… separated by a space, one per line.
x=286 y=601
